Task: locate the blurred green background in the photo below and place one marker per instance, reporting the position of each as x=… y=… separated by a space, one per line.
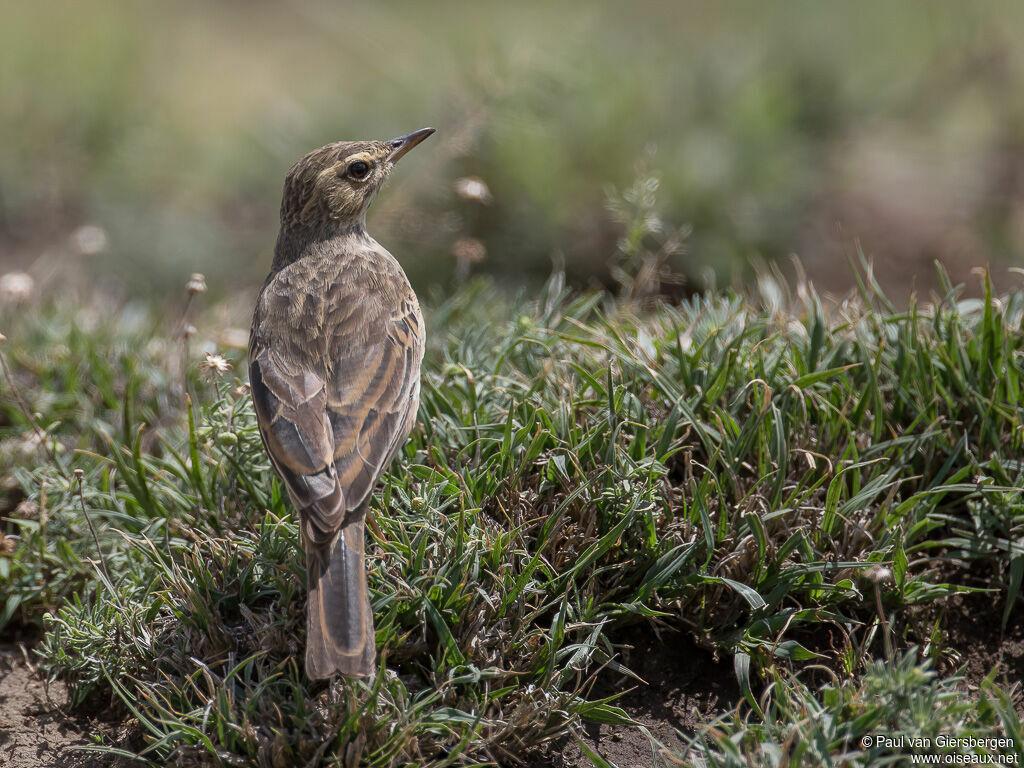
x=141 y=141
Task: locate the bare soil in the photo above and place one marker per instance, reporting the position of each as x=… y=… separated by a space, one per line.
x=35 y=729
x=973 y=624
x=683 y=686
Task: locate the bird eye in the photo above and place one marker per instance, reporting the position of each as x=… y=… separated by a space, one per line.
x=358 y=170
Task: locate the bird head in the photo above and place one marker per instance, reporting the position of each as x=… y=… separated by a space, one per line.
x=330 y=189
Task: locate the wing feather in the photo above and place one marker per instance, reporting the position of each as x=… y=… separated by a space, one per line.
x=370 y=409
x=332 y=422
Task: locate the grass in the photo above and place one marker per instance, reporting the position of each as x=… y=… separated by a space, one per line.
x=894 y=708
x=754 y=470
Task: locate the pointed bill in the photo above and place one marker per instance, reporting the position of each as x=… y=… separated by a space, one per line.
x=403 y=144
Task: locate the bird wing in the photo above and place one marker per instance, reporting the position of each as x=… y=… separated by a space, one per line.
x=373 y=395
x=331 y=432
x=291 y=410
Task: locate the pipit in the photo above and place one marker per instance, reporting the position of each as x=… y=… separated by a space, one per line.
x=334 y=363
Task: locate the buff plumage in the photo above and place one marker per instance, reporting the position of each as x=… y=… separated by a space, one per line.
x=334 y=362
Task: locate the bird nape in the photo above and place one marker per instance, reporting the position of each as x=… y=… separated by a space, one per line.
x=335 y=351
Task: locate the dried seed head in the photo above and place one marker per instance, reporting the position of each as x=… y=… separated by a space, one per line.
x=27 y=510
x=196 y=283
x=879 y=574
x=2 y=338
x=188 y=331
x=79 y=473
x=214 y=366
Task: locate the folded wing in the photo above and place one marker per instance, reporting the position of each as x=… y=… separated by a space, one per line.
x=331 y=432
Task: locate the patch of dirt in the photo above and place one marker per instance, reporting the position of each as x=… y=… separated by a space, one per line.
x=973 y=624
x=683 y=687
x=35 y=732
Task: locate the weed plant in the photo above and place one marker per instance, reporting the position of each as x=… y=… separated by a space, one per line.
x=749 y=469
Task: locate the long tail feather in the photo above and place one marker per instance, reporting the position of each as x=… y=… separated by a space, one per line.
x=339 y=620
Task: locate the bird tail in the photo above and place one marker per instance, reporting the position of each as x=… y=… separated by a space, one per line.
x=339 y=620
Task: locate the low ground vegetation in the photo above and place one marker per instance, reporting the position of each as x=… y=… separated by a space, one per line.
x=801 y=492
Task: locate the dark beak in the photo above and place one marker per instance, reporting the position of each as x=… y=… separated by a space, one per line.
x=403 y=144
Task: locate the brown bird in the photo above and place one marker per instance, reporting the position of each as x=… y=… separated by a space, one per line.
x=334 y=363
